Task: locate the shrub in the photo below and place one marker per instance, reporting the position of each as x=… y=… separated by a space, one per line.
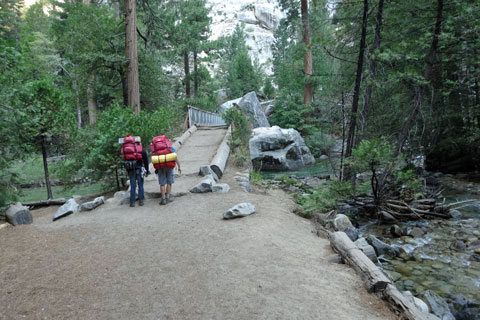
x=320 y=143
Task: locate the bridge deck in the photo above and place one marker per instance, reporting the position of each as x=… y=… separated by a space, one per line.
x=197 y=151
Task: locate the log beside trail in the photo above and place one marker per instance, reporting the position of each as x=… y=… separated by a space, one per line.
x=45 y=203
x=219 y=161
x=401 y=303
x=374 y=278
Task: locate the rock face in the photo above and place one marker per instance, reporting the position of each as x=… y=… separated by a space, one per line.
x=260 y=18
x=240 y=210
x=277 y=149
x=68 y=208
x=17 y=214
x=250 y=105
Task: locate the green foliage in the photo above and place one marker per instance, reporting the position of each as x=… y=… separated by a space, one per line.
x=240 y=135
x=320 y=143
x=268 y=89
x=256 y=177
x=326 y=197
x=241 y=128
x=372 y=155
x=410 y=184
x=240 y=74
x=97 y=153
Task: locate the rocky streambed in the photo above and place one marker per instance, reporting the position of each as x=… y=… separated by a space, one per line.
x=442 y=256
x=438 y=255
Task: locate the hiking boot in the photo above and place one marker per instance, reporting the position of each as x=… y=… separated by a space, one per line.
x=163 y=201
x=132 y=204
x=140 y=203
x=169 y=199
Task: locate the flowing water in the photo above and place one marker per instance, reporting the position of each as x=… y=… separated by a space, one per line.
x=446 y=259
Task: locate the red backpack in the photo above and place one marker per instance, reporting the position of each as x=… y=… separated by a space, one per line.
x=162 y=146
x=131 y=148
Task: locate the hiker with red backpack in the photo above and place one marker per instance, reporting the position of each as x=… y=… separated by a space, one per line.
x=135 y=160
x=164 y=159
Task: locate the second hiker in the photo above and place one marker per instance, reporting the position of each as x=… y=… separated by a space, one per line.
x=164 y=159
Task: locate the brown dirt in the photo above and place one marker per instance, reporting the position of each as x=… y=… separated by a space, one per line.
x=179 y=261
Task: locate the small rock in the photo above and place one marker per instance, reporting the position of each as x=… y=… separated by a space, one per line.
x=396 y=231
x=342 y=223
x=381 y=248
x=438 y=306
x=416 y=233
x=367 y=249
x=206 y=170
x=220 y=188
x=240 y=210
x=204 y=186
x=387 y=217
x=87 y=206
x=458 y=245
x=455 y=213
x=68 y=208
x=323 y=157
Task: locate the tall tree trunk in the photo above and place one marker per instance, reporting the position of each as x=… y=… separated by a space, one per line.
x=195 y=75
x=430 y=60
x=358 y=81
x=132 y=55
x=186 y=67
x=92 y=103
x=373 y=64
x=45 y=167
x=77 y=104
x=124 y=86
x=307 y=55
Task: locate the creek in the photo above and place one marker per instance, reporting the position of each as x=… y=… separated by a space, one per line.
x=445 y=258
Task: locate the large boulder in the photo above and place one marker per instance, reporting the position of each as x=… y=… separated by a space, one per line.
x=18 y=214
x=250 y=105
x=228 y=105
x=277 y=149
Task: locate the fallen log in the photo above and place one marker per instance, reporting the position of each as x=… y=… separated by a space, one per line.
x=400 y=302
x=220 y=160
x=375 y=280
x=45 y=203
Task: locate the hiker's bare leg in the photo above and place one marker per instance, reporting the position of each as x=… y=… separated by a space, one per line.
x=162 y=191
x=169 y=190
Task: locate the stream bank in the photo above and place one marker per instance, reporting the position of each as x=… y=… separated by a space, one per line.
x=440 y=255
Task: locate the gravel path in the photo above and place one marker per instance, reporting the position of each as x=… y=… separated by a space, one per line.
x=179 y=261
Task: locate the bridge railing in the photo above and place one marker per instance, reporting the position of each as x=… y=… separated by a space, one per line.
x=204 y=118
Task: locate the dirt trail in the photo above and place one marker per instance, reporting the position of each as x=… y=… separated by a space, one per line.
x=179 y=261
